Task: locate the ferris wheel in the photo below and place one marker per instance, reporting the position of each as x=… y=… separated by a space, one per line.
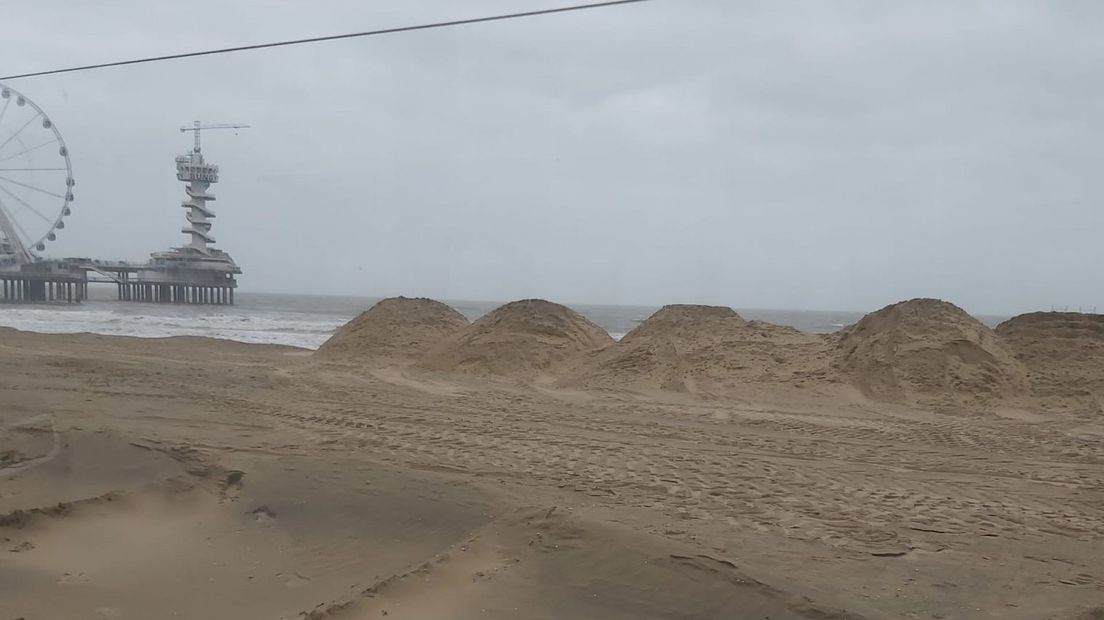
x=36 y=178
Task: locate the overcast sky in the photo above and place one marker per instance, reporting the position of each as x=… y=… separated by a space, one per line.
x=755 y=154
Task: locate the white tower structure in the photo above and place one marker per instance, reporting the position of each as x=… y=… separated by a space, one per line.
x=198 y=176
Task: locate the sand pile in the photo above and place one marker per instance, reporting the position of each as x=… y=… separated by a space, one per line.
x=396 y=328
x=931 y=351
x=1063 y=353
x=526 y=339
x=688 y=322
x=705 y=350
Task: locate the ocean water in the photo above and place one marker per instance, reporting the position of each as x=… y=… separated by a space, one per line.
x=308 y=320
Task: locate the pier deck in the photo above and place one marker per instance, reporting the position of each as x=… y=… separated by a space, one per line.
x=67 y=281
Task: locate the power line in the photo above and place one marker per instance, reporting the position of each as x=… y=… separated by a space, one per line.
x=334 y=37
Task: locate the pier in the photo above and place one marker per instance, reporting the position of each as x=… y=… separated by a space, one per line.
x=167 y=278
x=195 y=273
x=44 y=282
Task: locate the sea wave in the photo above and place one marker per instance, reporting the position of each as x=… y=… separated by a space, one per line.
x=151 y=321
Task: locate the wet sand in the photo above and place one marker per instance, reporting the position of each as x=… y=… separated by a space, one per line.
x=195 y=478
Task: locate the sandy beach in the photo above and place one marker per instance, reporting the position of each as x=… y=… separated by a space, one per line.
x=915 y=465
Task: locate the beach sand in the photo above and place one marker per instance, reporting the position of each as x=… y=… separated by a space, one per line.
x=196 y=478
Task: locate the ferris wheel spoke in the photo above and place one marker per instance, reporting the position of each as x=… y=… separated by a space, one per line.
x=25 y=151
x=32 y=187
x=7 y=102
x=30 y=169
x=16 y=134
x=26 y=205
x=27 y=239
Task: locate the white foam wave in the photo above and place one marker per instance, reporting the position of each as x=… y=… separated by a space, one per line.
x=148 y=321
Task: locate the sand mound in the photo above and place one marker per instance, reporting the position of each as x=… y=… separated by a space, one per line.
x=523 y=339
x=397 y=327
x=1063 y=353
x=928 y=350
x=704 y=350
x=684 y=321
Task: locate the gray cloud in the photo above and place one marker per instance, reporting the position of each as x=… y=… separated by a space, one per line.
x=769 y=154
